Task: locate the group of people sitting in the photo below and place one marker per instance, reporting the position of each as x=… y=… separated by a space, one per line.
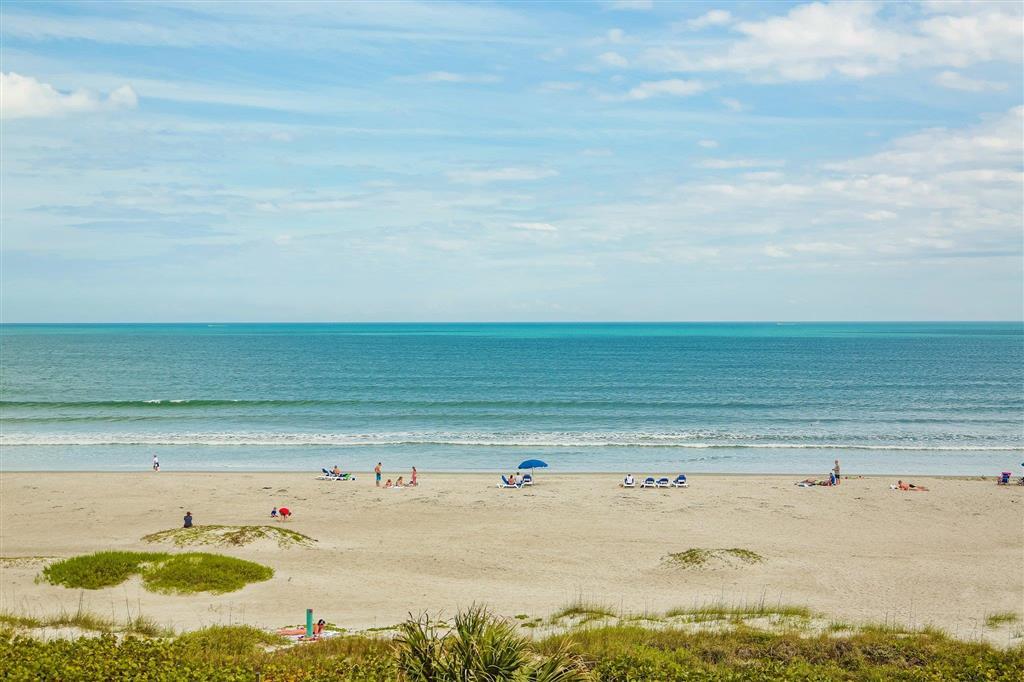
x=400 y=481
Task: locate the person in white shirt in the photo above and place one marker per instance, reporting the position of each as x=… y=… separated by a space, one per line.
x=156 y=463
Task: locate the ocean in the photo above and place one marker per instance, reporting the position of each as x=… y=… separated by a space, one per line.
x=925 y=398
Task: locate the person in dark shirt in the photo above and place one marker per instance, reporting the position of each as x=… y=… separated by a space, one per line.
x=188 y=519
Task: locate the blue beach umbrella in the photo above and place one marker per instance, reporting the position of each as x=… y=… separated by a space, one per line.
x=532 y=464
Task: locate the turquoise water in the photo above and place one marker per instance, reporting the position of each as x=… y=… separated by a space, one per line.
x=885 y=397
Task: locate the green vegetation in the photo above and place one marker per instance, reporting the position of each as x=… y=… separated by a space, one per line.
x=717 y=612
x=478 y=647
x=697 y=557
x=102 y=569
x=200 y=572
x=83 y=620
x=997 y=619
x=584 y=612
x=161 y=572
x=230 y=536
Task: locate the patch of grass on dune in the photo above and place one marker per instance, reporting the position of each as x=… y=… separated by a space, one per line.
x=720 y=611
x=584 y=611
x=161 y=572
x=219 y=641
x=230 y=536
x=200 y=572
x=697 y=557
x=99 y=570
x=996 y=619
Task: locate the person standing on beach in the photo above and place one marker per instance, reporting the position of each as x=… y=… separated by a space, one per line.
x=835 y=470
x=156 y=463
x=376 y=472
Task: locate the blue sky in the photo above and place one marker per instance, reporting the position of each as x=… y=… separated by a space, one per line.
x=511 y=161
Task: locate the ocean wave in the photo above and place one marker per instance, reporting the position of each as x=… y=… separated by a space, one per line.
x=694 y=440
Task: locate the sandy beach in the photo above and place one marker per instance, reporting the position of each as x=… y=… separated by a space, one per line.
x=858 y=553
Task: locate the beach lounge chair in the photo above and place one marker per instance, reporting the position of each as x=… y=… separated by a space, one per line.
x=326 y=476
x=663 y=482
x=628 y=482
x=527 y=479
x=680 y=482
x=1004 y=478
x=649 y=482
x=505 y=484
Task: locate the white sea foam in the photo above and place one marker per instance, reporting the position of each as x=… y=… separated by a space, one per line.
x=682 y=439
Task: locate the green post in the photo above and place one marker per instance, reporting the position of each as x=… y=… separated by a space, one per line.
x=309 y=623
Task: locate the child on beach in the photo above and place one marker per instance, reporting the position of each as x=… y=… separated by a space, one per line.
x=285 y=513
x=413 y=481
x=156 y=463
x=400 y=483
x=389 y=484
x=188 y=520
x=273 y=513
x=835 y=472
x=376 y=472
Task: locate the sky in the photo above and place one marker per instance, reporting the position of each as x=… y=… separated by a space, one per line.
x=417 y=161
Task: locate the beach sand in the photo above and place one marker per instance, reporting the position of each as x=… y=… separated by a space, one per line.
x=857 y=553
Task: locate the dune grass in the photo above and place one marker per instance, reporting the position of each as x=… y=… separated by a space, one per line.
x=994 y=620
x=721 y=611
x=478 y=646
x=201 y=572
x=582 y=610
x=99 y=570
x=230 y=536
x=161 y=572
x=697 y=557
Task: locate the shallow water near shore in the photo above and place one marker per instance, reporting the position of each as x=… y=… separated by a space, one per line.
x=936 y=398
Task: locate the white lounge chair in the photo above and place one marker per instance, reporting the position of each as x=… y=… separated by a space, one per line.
x=663 y=482
x=527 y=479
x=680 y=482
x=649 y=482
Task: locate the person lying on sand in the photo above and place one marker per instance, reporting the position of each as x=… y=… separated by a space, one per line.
x=389 y=484
x=400 y=483
x=318 y=629
x=901 y=485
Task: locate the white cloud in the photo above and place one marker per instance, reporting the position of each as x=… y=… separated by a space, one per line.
x=535 y=227
x=958 y=81
x=716 y=17
x=449 y=77
x=672 y=87
x=613 y=59
x=740 y=163
x=732 y=104
x=707 y=144
x=479 y=177
x=851 y=39
x=26 y=97
x=616 y=35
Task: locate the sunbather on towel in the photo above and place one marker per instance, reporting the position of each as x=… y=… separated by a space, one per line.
x=910 y=486
x=389 y=484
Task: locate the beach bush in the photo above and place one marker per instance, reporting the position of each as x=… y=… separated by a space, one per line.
x=161 y=572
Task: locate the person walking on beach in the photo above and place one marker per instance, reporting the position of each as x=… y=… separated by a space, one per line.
x=156 y=463
x=188 y=520
x=835 y=471
x=376 y=472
